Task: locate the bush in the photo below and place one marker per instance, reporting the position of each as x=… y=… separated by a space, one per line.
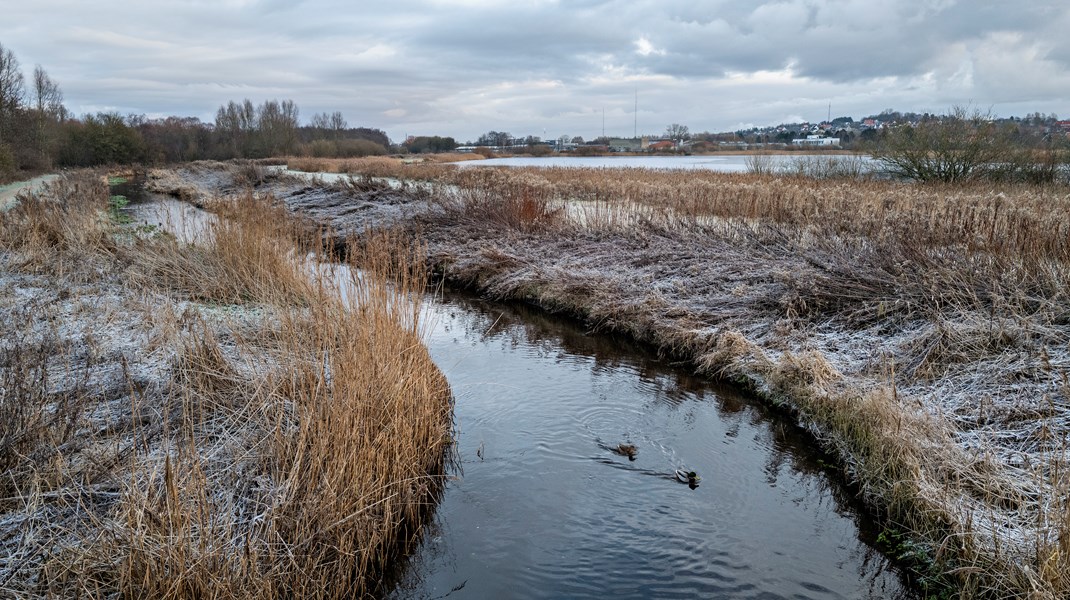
x=7 y=164
x=954 y=148
x=342 y=149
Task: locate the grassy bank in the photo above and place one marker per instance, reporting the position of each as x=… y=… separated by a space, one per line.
x=920 y=332
x=217 y=420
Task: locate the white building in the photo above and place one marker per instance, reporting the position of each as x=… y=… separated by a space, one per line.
x=816 y=140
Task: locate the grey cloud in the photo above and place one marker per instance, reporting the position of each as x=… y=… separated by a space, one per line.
x=450 y=67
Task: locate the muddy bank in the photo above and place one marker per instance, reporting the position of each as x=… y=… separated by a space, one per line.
x=952 y=421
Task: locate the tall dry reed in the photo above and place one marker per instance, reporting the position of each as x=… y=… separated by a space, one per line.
x=292 y=449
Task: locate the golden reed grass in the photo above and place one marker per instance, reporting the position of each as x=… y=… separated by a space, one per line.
x=289 y=446
x=924 y=326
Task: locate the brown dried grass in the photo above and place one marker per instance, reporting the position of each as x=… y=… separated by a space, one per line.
x=896 y=310
x=293 y=450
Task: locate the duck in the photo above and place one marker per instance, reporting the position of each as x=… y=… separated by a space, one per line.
x=628 y=450
x=689 y=477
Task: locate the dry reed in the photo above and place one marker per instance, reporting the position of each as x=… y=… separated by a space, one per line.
x=290 y=445
x=919 y=331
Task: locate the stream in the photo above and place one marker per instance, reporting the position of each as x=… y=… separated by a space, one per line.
x=540 y=506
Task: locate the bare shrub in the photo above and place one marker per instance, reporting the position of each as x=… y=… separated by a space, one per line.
x=495 y=197
x=760 y=163
x=951 y=149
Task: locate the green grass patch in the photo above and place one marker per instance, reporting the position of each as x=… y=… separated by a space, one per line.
x=116 y=204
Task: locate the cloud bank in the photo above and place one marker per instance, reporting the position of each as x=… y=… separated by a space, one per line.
x=548 y=68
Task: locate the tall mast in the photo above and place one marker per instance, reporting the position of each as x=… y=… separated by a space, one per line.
x=635 y=114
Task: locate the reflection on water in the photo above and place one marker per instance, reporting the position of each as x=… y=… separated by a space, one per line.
x=542 y=509
x=183 y=220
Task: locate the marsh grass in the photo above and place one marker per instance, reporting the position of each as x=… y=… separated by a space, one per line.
x=240 y=424
x=61 y=229
x=918 y=330
x=253 y=251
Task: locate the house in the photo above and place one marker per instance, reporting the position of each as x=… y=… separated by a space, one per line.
x=816 y=141
x=628 y=145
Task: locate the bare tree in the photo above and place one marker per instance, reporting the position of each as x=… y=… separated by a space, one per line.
x=333 y=124
x=338 y=124
x=46 y=115
x=11 y=90
x=677 y=132
x=47 y=97
x=320 y=121
x=277 y=126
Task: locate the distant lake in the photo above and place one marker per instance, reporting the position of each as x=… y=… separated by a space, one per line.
x=728 y=164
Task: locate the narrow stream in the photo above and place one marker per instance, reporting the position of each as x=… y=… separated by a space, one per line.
x=542 y=509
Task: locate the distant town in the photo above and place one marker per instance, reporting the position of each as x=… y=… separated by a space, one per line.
x=844 y=133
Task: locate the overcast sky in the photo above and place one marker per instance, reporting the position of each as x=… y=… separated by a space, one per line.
x=546 y=67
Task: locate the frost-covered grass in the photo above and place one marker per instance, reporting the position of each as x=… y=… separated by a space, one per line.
x=922 y=333
x=214 y=420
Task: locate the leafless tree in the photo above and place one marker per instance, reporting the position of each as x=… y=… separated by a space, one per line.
x=47 y=97
x=677 y=132
x=334 y=124
x=277 y=125
x=959 y=146
x=11 y=90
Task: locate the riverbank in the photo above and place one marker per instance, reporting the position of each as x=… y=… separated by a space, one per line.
x=920 y=333
x=219 y=419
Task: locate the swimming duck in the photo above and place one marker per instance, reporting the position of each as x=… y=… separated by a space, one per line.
x=628 y=450
x=691 y=478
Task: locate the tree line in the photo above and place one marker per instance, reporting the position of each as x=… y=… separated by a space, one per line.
x=38 y=133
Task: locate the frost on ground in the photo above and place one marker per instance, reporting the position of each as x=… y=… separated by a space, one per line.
x=186 y=420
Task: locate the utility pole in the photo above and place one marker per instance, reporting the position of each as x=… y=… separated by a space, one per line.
x=603 y=121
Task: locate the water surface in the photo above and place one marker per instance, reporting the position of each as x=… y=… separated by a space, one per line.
x=542 y=509
x=727 y=164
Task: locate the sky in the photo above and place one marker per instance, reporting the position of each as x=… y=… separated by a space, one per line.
x=547 y=67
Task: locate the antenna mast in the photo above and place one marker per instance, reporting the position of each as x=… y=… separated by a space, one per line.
x=635 y=114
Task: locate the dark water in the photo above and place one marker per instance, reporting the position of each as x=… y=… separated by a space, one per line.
x=541 y=509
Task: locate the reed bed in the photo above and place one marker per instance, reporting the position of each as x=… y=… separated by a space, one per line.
x=921 y=332
x=224 y=420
